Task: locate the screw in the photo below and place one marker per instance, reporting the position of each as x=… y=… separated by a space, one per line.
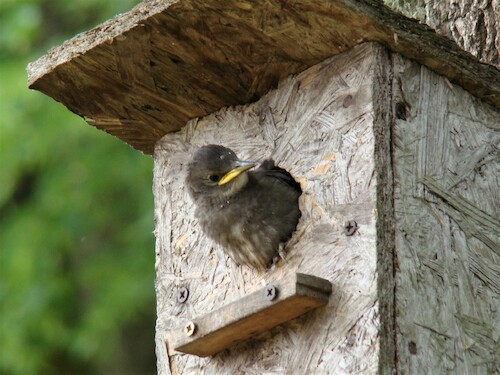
x=412 y=347
x=189 y=328
x=350 y=227
x=401 y=111
x=182 y=295
x=271 y=292
x=347 y=101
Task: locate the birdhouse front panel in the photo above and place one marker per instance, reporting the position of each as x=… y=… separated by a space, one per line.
x=319 y=127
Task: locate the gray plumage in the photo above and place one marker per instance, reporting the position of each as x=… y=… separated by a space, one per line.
x=248 y=212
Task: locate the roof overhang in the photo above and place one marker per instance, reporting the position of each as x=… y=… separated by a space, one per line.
x=147 y=72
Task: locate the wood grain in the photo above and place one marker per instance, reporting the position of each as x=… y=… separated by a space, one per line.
x=447 y=204
x=377 y=138
x=149 y=71
x=251 y=315
x=324 y=117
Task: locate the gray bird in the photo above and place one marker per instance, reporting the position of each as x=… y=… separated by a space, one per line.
x=248 y=212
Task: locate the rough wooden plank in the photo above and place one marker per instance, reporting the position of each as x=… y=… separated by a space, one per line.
x=251 y=315
x=147 y=72
x=446 y=167
x=383 y=120
x=319 y=126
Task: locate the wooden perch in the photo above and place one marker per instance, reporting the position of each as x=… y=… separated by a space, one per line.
x=253 y=314
x=147 y=72
x=372 y=137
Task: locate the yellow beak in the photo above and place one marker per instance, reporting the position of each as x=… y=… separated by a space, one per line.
x=242 y=166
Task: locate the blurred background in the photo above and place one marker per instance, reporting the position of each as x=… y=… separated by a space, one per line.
x=76 y=216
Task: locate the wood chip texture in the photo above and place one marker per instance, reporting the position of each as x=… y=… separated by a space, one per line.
x=379 y=139
x=147 y=72
x=447 y=205
x=319 y=126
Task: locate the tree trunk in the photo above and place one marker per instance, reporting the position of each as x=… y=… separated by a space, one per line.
x=472 y=24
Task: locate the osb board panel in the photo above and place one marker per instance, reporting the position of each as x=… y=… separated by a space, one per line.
x=447 y=226
x=319 y=126
x=147 y=72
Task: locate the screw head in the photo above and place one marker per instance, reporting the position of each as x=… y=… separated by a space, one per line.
x=412 y=347
x=350 y=227
x=182 y=295
x=271 y=292
x=347 y=101
x=189 y=328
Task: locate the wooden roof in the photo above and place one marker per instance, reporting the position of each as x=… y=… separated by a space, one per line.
x=146 y=72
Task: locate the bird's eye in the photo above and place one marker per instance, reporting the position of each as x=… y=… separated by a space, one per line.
x=214 y=178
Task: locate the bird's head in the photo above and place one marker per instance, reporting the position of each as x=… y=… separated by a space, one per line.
x=216 y=172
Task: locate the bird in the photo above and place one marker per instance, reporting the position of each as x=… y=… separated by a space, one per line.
x=250 y=213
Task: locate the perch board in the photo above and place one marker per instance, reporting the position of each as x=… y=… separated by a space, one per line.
x=251 y=315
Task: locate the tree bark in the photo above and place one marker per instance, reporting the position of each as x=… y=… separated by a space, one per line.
x=472 y=24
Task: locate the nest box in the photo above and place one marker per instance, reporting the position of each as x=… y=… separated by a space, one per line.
x=392 y=132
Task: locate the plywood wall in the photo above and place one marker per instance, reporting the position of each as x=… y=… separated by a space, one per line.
x=320 y=126
x=447 y=209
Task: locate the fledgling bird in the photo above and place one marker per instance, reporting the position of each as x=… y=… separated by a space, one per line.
x=248 y=212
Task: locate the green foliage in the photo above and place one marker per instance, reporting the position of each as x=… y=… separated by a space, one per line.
x=76 y=220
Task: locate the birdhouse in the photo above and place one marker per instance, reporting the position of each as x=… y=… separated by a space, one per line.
x=392 y=133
